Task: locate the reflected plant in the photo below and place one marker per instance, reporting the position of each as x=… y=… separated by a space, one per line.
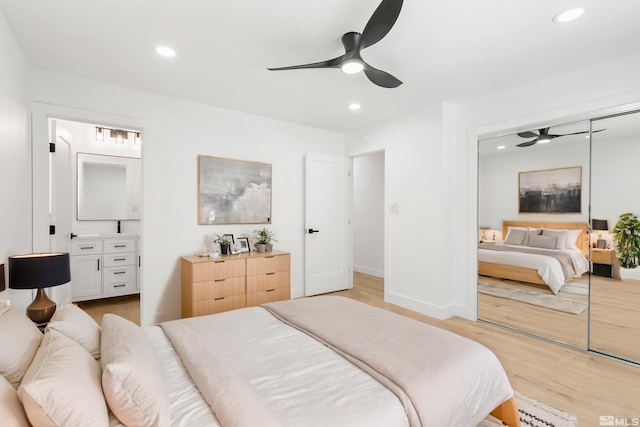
x=627 y=236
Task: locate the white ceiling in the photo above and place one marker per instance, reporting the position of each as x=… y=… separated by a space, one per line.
x=453 y=50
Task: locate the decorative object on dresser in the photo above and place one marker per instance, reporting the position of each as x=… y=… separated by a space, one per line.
x=627 y=245
x=550 y=191
x=264 y=239
x=233 y=281
x=243 y=243
x=104 y=267
x=224 y=242
x=39 y=271
x=233 y=191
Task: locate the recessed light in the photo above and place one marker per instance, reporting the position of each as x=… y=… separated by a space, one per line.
x=354 y=106
x=569 y=15
x=165 y=51
x=501 y=147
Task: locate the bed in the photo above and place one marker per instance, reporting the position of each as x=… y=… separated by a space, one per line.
x=558 y=254
x=309 y=362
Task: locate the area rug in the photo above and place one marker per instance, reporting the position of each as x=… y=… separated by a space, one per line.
x=536 y=414
x=539 y=299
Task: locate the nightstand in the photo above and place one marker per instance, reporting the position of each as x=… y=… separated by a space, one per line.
x=602 y=261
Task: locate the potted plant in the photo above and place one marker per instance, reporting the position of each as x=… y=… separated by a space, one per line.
x=224 y=243
x=627 y=245
x=263 y=240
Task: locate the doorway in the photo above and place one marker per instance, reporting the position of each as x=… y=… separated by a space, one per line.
x=369 y=221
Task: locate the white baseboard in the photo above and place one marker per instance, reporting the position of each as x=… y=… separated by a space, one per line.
x=369 y=271
x=432 y=310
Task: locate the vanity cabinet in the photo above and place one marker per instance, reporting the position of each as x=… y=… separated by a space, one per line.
x=103 y=267
x=233 y=281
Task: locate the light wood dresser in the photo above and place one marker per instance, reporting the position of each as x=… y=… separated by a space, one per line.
x=233 y=281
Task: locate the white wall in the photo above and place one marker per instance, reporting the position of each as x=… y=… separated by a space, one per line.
x=181 y=131
x=15 y=157
x=368 y=214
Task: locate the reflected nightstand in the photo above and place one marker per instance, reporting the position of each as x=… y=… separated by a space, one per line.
x=602 y=261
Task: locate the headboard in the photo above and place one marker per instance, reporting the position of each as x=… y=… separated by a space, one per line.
x=583 y=239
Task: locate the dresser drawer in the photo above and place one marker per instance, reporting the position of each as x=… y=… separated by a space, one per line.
x=218 y=305
x=115 y=260
x=267 y=264
x=86 y=247
x=118 y=274
x=220 y=288
x=268 y=281
x=218 y=269
x=273 y=295
x=119 y=287
x=119 y=246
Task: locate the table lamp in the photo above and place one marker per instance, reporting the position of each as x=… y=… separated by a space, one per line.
x=39 y=271
x=600 y=225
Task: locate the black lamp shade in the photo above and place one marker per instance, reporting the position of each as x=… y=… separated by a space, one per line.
x=34 y=271
x=599 y=224
x=2 y=285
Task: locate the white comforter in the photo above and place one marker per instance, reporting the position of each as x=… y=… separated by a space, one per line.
x=547 y=267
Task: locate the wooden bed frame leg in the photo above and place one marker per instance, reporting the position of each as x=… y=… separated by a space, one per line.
x=507 y=412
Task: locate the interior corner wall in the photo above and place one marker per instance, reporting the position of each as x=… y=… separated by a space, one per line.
x=181 y=131
x=15 y=161
x=414 y=179
x=368 y=214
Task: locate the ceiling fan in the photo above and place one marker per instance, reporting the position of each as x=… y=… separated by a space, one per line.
x=544 y=136
x=351 y=62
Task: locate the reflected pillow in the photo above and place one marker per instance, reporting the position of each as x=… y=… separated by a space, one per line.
x=515 y=237
x=543 y=242
x=529 y=233
x=560 y=235
x=572 y=238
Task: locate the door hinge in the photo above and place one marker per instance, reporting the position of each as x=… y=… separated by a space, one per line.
x=52 y=147
x=52 y=229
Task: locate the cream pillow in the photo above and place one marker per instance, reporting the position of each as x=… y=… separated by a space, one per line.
x=132 y=377
x=76 y=324
x=20 y=339
x=11 y=410
x=62 y=386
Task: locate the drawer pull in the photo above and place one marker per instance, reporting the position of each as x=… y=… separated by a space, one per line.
x=119 y=259
x=270 y=290
x=120 y=286
x=220 y=280
x=218 y=262
x=86 y=247
x=119 y=272
x=119 y=246
x=218 y=299
x=270 y=274
x=272 y=256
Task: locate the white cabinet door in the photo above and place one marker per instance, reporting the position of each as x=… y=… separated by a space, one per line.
x=86 y=276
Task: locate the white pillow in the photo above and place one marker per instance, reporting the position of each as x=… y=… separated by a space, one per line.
x=561 y=237
x=76 y=324
x=132 y=378
x=11 y=409
x=572 y=238
x=62 y=386
x=20 y=339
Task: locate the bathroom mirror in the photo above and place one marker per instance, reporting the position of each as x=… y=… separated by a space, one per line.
x=108 y=187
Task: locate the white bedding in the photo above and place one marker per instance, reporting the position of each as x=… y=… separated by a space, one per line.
x=547 y=267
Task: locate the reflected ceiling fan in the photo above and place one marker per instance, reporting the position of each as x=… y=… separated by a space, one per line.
x=351 y=62
x=544 y=136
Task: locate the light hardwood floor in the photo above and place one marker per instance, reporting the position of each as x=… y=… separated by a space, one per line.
x=580 y=383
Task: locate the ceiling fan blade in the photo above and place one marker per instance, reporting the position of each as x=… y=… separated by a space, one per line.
x=332 y=63
x=381 y=78
x=528 y=134
x=528 y=143
x=381 y=22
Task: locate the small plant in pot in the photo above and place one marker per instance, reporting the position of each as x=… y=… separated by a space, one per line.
x=627 y=241
x=224 y=244
x=263 y=240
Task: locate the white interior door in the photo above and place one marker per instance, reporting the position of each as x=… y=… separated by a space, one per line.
x=328 y=241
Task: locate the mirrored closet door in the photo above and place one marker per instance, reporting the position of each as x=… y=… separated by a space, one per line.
x=533 y=215
x=615 y=290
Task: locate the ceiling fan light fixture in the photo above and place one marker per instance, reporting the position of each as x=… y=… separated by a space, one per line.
x=543 y=140
x=352 y=66
x=569 y=15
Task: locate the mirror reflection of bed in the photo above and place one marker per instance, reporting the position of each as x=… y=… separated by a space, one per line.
x=537 y=279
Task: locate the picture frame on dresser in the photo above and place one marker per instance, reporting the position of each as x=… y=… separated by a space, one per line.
x=243 y=244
